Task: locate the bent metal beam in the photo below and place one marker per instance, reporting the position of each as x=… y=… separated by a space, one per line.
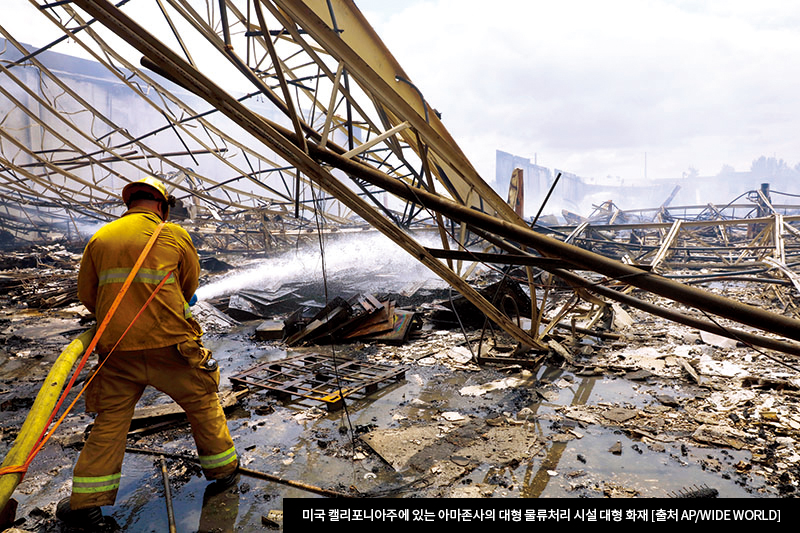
x=580 y=258
x=285 y=143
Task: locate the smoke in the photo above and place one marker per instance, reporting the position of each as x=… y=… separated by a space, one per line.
x=369 y=261
x=87 y=229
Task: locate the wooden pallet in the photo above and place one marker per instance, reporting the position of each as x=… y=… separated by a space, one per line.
x=320 y=377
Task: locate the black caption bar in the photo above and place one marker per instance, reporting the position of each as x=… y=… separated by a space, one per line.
x=424 y=514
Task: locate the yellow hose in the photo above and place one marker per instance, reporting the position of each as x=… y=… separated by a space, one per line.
x=40 y=413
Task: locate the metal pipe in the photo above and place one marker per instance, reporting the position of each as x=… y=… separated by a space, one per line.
x=291 y=483
x=167 y=495
x=248 y=472
x=582 y=259
x=546 y=198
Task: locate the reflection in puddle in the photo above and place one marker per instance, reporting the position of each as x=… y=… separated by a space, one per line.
x=219 y=511
x=535 y=486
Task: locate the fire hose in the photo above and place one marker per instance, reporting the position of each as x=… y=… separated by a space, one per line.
x=40 y=413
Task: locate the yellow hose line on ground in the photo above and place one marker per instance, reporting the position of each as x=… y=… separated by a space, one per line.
x=40 y=412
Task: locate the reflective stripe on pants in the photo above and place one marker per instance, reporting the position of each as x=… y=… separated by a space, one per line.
x=113 y=394
x=210 y=462
x=91 y=485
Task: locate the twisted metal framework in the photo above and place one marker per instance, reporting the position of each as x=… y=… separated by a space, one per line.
x=267 y=116
x=303 y=73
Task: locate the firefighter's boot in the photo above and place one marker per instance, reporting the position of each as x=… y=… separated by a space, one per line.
x=88 y=519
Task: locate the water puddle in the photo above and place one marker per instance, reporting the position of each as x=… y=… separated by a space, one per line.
x=546 y=434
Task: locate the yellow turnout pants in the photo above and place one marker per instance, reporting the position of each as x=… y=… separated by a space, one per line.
x=113 y=394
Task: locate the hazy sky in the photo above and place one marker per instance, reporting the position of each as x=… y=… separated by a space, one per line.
x=612 y=87
x=598 y=88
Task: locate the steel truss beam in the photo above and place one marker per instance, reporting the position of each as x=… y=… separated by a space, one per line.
x=290 y=149
x=374 y=145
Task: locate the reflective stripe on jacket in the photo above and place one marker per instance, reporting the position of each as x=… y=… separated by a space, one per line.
x=108 y=259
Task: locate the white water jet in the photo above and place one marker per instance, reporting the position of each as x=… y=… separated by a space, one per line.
x=370 y=257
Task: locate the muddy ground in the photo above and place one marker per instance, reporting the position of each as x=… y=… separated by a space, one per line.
x=653 y=410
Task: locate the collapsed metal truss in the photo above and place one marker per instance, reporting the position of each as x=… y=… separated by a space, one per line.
x=745 y=245
x=276 y=116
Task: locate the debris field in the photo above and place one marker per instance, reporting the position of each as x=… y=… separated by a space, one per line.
x=624 y=354
x=414 y=393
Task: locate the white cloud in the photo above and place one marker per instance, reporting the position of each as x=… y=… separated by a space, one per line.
x=594 y=88
x=591 y=87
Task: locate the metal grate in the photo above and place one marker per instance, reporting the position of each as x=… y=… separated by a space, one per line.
x=320 y=377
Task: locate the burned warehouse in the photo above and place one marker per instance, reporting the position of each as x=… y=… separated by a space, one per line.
x=245 y=265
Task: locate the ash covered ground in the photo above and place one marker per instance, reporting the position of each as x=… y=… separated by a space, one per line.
x=651 y=410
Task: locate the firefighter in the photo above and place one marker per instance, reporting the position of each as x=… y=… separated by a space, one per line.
x=162 y=348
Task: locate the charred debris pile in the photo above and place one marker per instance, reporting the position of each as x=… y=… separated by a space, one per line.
x=735 y=397
x=40 y=276
x=296 y=316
